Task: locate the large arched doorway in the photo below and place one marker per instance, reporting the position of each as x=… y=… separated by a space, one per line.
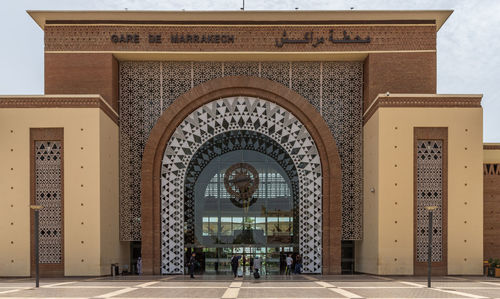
x=218 y=118
x=241 y=198
x=315 y=157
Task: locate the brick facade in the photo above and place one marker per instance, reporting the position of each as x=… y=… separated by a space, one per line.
x=398 y=73
x=77 y=73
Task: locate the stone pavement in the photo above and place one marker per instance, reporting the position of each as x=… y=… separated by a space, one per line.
x=296 y=286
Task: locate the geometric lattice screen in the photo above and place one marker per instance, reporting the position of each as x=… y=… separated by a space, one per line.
x=148 y=88
x=429 y=193
x=250 y=114
x=48 y=190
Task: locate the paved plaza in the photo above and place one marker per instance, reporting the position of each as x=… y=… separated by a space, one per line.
x=297 y=286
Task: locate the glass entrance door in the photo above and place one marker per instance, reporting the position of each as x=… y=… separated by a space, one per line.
x=217 y=260
x=243 y=206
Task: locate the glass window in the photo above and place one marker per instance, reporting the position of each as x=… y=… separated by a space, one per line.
x=237 y=223
x=212 y=187
x=225 y=226
x=210 y=226
x=285 y=226
x=219 y=222
x=249 y=222
x=272 y=226
x=206 y=224
x=260 y=224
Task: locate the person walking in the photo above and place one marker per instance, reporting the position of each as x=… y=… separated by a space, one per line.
x=139 y=266
x=234 y=264
x=298 y=264
x=192 y=264
x=289 y=262
x=256 y=267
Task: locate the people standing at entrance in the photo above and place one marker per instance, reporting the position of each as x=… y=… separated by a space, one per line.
x=192 y=264
x=298 y=264
x=139 y=266
x=256 y=266
x=289 y=262
x=234 y=264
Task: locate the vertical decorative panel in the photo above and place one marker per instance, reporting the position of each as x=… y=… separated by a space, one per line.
x=429 y=193
x=140 y=108
x=343 y=112
x=48 y=193
x=491 y=207
x=306 y=81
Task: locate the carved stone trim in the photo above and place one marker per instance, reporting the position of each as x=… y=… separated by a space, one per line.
x=59 y=102
x=491 y=146
x=241 y=22
x=238 y=38
x=430 y=101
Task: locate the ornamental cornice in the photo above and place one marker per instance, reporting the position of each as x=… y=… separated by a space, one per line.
x=421 y=101
x=59 y=101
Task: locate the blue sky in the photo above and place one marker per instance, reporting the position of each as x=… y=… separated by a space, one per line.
x=468 y=43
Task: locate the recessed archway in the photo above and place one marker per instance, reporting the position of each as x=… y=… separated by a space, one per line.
x=231 y=115
x=240 y=86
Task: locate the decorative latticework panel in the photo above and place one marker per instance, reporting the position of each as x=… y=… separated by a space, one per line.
x=306 y=80
x=333 y=88
x=48 y=190
x=179 y=74
x=276 y=71
x=429 y=193
x=205 y=71
x=249 y=114
x=342 y=110
x=140 y=107
x=241 y=69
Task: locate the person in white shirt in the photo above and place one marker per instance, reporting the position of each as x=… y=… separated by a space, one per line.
x=289 y=262
x=139 y=266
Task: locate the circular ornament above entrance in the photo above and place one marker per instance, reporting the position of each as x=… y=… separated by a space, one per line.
x=241 y=181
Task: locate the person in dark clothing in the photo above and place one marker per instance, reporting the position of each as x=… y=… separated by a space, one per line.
x=298 y=264
x=234 y=264
x=192 y=264
x=256 y=266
